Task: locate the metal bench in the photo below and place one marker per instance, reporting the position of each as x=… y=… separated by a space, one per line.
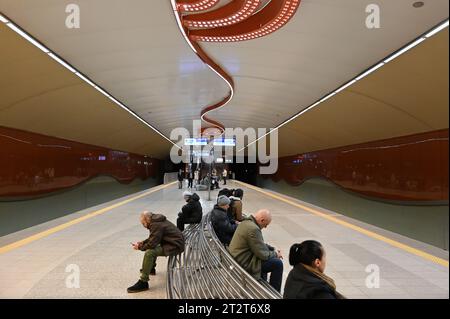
x=205 y=270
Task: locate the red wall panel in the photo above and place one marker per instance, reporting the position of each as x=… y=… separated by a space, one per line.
x=407 y=168
x=34 y=164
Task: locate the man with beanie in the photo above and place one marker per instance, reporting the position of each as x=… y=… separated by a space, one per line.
x=164 y=240
x=222 y=225
x=191 y=212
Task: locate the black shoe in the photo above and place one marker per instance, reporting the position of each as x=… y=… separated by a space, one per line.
x=138 y=287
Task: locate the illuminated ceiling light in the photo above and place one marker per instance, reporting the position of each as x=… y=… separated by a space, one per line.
x=345 y=86
x=407 y=48
x=85 y=79
x=3 y=19
x=102 y=91
x=27 y=37
x=437 y=29
x=371 y=70
x=62 y=62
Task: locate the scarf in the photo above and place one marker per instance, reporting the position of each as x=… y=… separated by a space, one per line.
x=329 y=281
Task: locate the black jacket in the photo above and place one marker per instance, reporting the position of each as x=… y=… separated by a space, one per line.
x=192 y=211
x=223 y=228
x=303 y=284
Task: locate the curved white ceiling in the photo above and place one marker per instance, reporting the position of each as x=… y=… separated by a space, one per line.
x=136 y=52
x=325 y=45
x=133 y=50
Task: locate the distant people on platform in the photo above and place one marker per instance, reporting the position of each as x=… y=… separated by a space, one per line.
x=224 y=176
x=214 y=180
x=223 y=226
x=307 y=279
x=251 y=252
x=191 y=212
x=165 y=240
x=180 y=179
x=190 y=177
x=236 y=204
x=196 y=177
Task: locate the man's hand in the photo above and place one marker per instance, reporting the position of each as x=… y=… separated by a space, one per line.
x=136 y=245
x=279 y=255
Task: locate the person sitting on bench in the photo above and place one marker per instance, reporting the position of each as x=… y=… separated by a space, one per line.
x=191 y=213
x=222 y=225
x=251 y=252
x=165 y=240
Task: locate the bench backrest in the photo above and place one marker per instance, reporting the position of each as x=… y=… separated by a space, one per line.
x=206 y=270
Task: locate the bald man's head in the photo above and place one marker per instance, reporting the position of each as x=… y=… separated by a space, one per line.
x=263 y=217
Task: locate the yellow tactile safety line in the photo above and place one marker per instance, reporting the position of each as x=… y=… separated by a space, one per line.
x=361 y=230
x=58 y=228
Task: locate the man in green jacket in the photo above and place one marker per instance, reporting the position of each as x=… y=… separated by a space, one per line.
x=165 y=240
x=249 y=250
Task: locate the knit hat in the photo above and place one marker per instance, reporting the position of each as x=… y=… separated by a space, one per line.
x=187 y=193
x=223 y=200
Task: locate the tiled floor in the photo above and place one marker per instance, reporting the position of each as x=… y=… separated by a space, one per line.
x=100 y=248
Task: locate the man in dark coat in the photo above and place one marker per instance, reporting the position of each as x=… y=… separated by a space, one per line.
x=191 y=213
x=180 y=178
x=190 y=177
x=222 y=225
x=165 y=240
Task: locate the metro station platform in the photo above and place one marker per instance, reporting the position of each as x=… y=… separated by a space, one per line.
x=36 y=262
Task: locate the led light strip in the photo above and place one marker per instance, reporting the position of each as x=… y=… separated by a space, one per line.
x=198 y=6
x=286 y=13
x=393 y=56
x=61 y=61
x=245 y=12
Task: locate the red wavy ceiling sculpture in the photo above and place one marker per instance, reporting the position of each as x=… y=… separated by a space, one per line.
x=236 y=20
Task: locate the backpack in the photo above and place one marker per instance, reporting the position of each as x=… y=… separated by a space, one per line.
x=230 y=211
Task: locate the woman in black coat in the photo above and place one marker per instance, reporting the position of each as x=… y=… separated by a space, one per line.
x=307 y=279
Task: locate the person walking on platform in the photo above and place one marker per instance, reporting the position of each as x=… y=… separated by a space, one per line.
x=223 y=227
x=180 y=179
x=191 y=212
x=196 y=178
x=224 y=176
x=307 y=279
x=165 y=240
x=249 y=250
x=215 y=180
x=190 y=176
